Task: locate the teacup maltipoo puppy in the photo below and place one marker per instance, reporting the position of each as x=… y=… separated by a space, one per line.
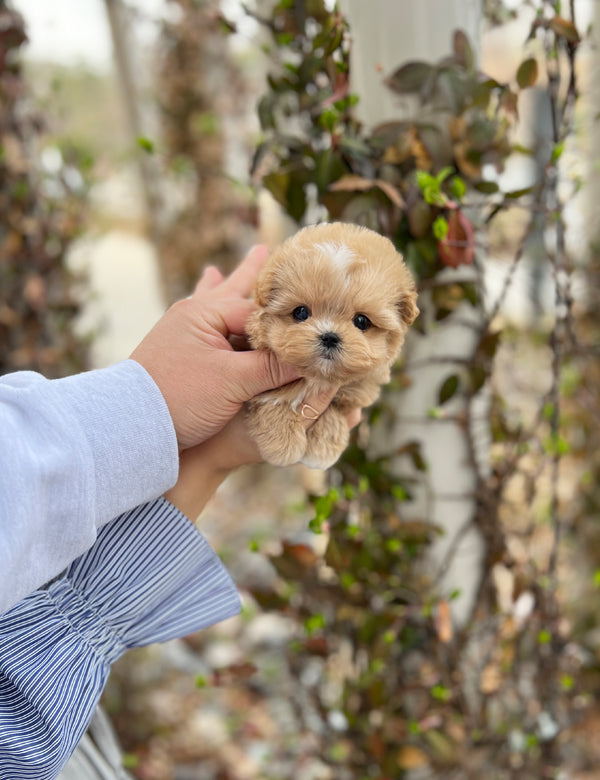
x=335 y=301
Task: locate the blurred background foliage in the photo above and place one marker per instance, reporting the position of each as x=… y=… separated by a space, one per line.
x=352 y=660
x=42 y=207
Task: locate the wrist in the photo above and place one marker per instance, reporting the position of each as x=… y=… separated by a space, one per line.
x=200 y=475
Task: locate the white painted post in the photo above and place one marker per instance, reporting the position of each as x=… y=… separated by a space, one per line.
x=386 y=34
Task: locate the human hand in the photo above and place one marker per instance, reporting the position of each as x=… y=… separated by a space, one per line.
x=188 y=354
x=204 y=467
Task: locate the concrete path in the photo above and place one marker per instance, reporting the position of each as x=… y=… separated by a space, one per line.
x=126 y=298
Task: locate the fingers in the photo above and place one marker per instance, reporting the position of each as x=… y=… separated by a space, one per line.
x=314 y=406
x=211 y=278
x=353 y=418
x=234 y=314
x=258 y=371
x=241 y=281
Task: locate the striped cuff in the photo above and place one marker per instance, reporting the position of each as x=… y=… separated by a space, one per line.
x=150 y=577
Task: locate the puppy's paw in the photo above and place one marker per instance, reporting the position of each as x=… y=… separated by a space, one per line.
x=326 y=440
x=279 y=435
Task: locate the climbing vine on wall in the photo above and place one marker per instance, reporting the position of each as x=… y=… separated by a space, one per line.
x=415 y=691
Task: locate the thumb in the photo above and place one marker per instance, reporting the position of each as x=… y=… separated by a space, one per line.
x=260 y=370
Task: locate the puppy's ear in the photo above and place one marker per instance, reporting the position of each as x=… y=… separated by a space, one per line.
x=263 y=290
x=407 y=307
x=255 y=330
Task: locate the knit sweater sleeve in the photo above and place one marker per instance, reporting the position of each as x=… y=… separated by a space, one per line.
x=75 y=453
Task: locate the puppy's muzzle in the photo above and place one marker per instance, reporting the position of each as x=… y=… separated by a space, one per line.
x=330 y=343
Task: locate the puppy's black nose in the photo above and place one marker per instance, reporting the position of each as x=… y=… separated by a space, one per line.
x=330 y=340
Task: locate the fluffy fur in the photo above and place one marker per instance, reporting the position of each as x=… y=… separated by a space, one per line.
x=335 y=301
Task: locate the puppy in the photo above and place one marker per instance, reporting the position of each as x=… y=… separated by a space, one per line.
x=335 y=301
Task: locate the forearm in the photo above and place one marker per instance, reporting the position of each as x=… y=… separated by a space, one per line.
x=202 y=469
x=193 y=492
x=74 y=453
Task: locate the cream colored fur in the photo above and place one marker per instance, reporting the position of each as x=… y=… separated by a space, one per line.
x=336 y=271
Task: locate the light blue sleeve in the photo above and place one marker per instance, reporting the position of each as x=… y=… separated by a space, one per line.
x=75 y=453
x=150 y=577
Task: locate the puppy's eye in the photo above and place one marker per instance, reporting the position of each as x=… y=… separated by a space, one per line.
x=301 y=313
x=361 y=321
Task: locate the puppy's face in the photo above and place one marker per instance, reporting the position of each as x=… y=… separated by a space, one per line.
x=335 y=302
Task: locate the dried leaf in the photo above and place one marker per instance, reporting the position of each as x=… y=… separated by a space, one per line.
x=463 y=50
x=565 y=28
x=295 y=561
x=458 y=248
x=34 y=292
x=8 y=316
x=411 y=757
x=12 y=244
x=354 y=183
x=444 y=748
x=443 y=622
x=491 y=679
x=317 y=645
x=504 y=582
x=301 y=553
x=235 y=673
x=509 y=102
x=420 y=218
x=392 y=192
x=351 y=183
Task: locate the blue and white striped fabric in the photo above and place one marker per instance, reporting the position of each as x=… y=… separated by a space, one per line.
x=149 y=577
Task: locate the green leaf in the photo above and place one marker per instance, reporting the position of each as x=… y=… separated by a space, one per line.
x=452 y=88
x=448 y=389
x=557 y=151
x=130 y=760
x=567 y=682
x=444 y=173
x=440 y=692
x=296 y=201
x=458 y=187
x=556 y=445
x=527 y=74
x=329 y=118
x=393 y=545
x=440 y=228
x=399 y=492
x=430 y=186
x=206 y=123
x=146 y=144
x=486 y=187
x=548 y=410
x=314 y=623
x=544 y=636
x=410 y=78
x=277 y=184
x=519 y=193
